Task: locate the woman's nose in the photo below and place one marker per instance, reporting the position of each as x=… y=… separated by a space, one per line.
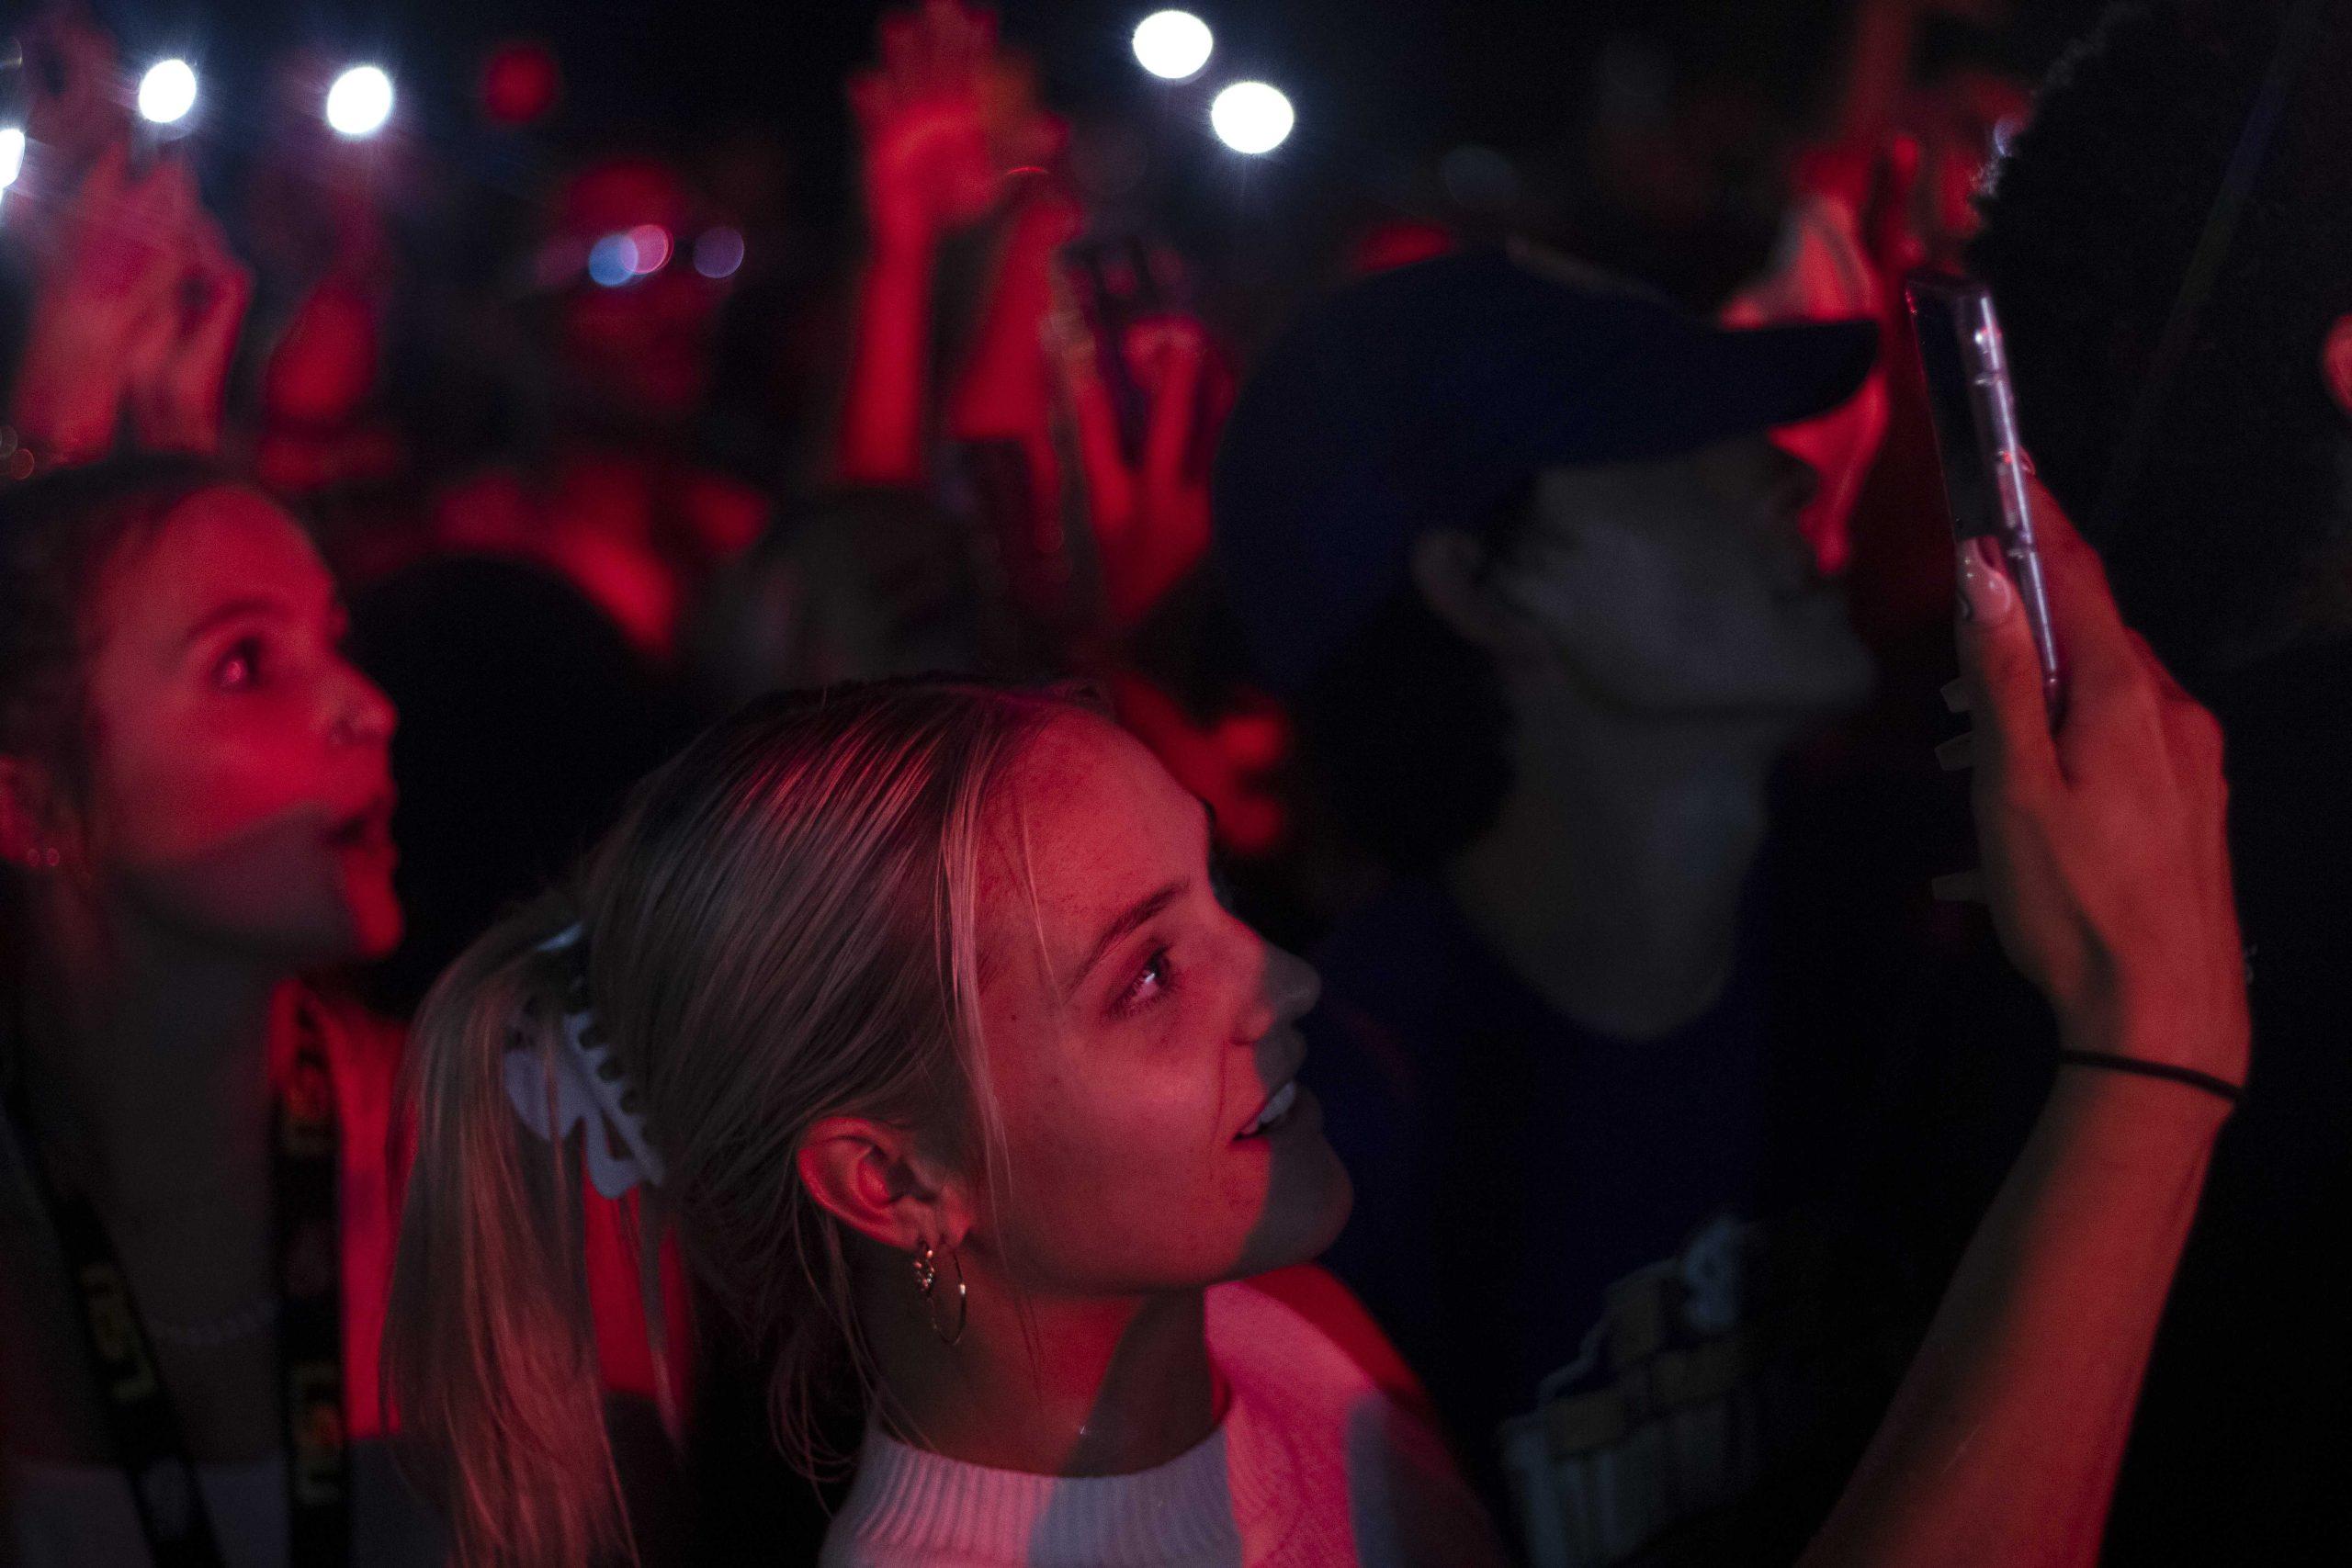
x=366 y=714
x=1293 y=987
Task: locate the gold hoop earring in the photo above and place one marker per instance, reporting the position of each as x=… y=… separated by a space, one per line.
x=927 y=1285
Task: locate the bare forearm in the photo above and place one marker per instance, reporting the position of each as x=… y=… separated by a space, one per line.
x=2003 y=1444
x=1003 y=390
x=882 y=418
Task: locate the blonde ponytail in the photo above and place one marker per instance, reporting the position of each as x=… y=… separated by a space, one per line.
x=489 y=1351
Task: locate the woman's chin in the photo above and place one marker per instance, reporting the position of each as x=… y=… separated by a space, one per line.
x=1307 y=1209
x=367 y=928
x=379 y=935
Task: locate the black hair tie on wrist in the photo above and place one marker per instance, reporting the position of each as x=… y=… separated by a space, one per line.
x=2223 y=1087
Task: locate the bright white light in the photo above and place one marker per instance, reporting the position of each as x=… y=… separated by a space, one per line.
x=167 y=92
x=12 y=156
x=718 y=253
x=360 y=101
x=1174 y=44
x=1250 y=116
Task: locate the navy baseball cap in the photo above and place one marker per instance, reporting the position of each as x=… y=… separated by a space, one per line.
x=1421 y=398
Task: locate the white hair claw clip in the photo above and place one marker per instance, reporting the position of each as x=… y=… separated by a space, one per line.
x=589 y=1088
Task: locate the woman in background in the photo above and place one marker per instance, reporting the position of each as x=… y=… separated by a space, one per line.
x=195 y=1209
x=195 y=1214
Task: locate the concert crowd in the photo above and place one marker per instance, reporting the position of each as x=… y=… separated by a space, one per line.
x=1154 y=832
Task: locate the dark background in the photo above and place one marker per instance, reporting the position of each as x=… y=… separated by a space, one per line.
x=1382 y=89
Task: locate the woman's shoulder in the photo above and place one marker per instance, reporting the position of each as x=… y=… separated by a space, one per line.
x=1323 y=1404
x=1276 y=1312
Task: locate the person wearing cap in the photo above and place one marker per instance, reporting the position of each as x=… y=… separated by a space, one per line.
x=1514 y=541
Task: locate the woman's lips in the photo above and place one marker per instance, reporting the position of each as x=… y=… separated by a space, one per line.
x=1290 y=1109
x=1271 y=1115
x=367 y=830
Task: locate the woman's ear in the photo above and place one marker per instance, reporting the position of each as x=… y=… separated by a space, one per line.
x=2336 y=363
x=869 y=1176
x=1450 y=571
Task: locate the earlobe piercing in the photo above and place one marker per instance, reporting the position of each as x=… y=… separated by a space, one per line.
x=927 y=1285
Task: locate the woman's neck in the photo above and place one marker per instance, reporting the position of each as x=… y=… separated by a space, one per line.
x=1098 y=1387
x=144 y=1065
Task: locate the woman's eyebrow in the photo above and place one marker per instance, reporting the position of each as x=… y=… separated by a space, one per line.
x=235 y=610
x=1134 y=916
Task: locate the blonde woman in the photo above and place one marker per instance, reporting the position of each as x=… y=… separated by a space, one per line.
x=915 y=1012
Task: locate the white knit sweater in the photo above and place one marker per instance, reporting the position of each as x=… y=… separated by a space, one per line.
x=1313 y=1465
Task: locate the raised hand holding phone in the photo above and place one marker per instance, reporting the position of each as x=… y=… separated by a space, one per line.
x=2106 y=862
x=2109 y=878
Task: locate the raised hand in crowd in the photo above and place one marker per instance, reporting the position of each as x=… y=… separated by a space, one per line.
x=2106 y=867
x=73 y=112
x=2109 y=878
x=1150 y=509
x=944 y=116
x=922 y=114
x=137 y=306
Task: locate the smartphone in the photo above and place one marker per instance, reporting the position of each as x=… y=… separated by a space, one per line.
x=1976 y=442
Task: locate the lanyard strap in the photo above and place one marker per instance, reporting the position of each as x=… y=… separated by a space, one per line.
x=148 y=1442
x=310 y=1272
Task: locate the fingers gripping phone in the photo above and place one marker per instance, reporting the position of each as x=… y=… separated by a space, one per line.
x=1983 y=462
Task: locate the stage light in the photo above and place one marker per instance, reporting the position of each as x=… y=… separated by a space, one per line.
x=1250 y=116
x=360 y=101
x=12 y=156
x=1174 y=44
x=718 y=253
x=167 y=92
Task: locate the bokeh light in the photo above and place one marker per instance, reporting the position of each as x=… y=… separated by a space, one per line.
x=718 y=253
x=612 y=261
x=1250 y=116
x=12 y=156
x=649 y=246
x=360 y=101
x=1174 y=44
x=520 y=81
x=167 y=92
